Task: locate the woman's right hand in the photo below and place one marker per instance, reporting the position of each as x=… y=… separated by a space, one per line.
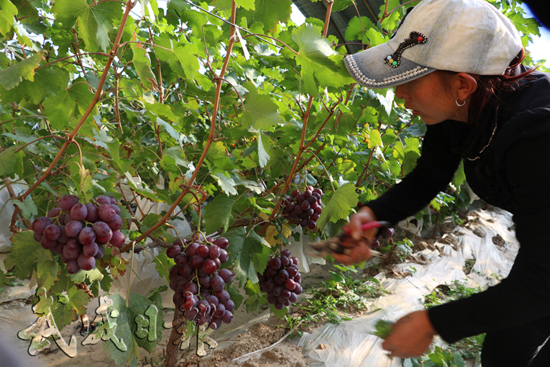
x=359 y=242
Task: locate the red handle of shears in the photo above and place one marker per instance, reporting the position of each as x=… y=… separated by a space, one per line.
x=366 y=227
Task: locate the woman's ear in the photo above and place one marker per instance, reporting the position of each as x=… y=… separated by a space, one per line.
x=466 y=85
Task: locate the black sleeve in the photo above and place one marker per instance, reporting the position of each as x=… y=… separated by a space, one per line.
x=433 y=171
x=524 y=296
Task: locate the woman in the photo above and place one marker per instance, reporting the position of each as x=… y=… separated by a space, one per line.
x=455 y=64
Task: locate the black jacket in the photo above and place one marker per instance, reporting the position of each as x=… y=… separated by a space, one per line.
x=512 y=172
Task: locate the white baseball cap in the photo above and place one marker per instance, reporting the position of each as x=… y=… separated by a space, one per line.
x=470 y=36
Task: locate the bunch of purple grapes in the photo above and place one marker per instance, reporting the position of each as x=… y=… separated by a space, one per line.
x=304 y=208
x=78 y=232
x=281 y=280
x=198 y=281
x=384 y=233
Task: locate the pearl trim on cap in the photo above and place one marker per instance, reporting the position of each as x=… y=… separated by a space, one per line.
x=364 y=80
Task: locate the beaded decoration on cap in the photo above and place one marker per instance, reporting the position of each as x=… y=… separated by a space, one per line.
x=415 y=38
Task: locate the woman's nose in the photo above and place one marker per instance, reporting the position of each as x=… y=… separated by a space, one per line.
x=400 y=92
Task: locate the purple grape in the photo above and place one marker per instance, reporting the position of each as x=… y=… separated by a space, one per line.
x=100 y=252
x=63 y=238
x=223 y=296
x=275 y=263
x=79 y=211
x=118 y=239
x=90 y=250
x=173 y=251
x=116 y=223
x=295 y=193
x=227 y=317
x=191 y=250
x=222 y=242
x=215 y=323
x=209 y=266
x=51 y=232
x=202 y=251
x=67 y=202
x=224 y=256
x=293 y=297
x=285 y=253
x=205 y=282
x=116 y=208
x=285 y=261
x=106 y=212
x=196 y=261
x=217 y=283
x=102 y=229
x=85 y=262
x=48 y=244
x=102 y=199
x=54 y=212
x=229 y=305
x=73 y=228
x=86 y=237
x=220 y=311
x=92 y=215
x=191 y=287
x=40 y=223
x=226 y=275
x=290 y=284
x=72 y=267
x=214 y=252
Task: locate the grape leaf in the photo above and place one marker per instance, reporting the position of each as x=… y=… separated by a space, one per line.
x=24 y=253
x=357 y=27
x=65 y=307
x=268 y=13
x=145 y=320
x=226 y=183
x=236 y=238
x=47 y=81
x=46 y=270
x=343 y=201
x=10 y=161
x=260 y=251
x=260 y=111
x=118 y=338
x=28 y=208
x=12 y=76
x=314 y=56
x=218 y=213
x=264 y=147
x=7 y=13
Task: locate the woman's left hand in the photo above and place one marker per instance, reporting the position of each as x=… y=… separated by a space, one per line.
x=411 y=336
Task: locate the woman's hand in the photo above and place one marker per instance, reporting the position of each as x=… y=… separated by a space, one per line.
x=411 y=336
x=359 y=243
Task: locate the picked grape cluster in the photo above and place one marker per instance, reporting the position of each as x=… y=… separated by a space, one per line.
x=78 y=232
x=385 y=232
x=304 y=208
x=281 y=280
x=198 y=281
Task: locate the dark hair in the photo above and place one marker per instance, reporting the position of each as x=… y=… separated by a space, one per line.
x=488 y=86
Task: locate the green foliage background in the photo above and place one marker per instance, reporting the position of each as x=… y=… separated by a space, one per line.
x=99 y=95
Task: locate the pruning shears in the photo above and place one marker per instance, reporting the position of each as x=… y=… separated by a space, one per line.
x=334 y=244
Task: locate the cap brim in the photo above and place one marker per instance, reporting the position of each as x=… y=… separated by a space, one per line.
x=370 y=70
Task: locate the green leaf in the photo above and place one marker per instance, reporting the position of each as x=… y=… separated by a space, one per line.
x=145 y=321
x=264 y=147
x=46 y=270
x=7 y=13
x=218 y=213
x=246 y=4
x=357 y=27
x=24 y=253
x=226 y=183
x=268 y=13
x=12 y=76
x=10 y=161
x=28 y=208
x=236 y=296
x=236 y=238
x=118 y=340
x=47 y=81
x=260 y=111
x=342 y=203
x=65 y=307
x=260 y=250
x=314 y=56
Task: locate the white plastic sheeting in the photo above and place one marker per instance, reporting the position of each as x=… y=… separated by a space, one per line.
x=351 y=344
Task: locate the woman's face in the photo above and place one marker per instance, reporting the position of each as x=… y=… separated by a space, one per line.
x=429 y=99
